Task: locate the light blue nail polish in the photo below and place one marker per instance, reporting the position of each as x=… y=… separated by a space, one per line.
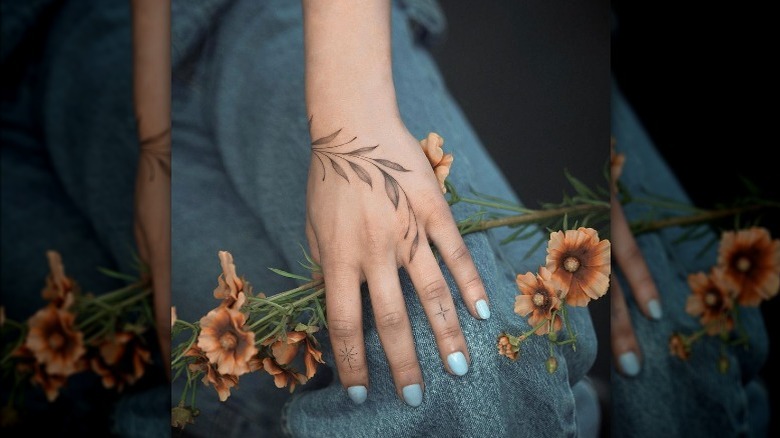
x=413 y=395
x=358 y=394
x=457 y=362
x=482 y=309
x=654 y=308
x=629 y=363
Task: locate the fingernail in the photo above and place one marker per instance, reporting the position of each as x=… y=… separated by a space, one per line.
x=358 y=394
x=482 y=309
x=458 y=363
x=413 y=395
x=629 y=363
x=654 y=308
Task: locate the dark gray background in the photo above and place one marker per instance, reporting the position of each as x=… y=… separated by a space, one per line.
x=533 y=79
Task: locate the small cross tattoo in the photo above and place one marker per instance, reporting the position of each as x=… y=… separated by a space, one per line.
x=442 y=312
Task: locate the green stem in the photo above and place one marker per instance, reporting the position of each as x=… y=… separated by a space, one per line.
x=496 y=205
x=535 y=216
x=640 y=227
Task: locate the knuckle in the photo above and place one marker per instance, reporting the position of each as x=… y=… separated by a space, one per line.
x=342 y=328
x=460 y=253
x=405 y=365
x=390 y=321
x=473 y=284
x=450 y=333
x=376 y=243
x=435 y=290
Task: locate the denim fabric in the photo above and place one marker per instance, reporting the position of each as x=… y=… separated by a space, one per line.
x=240 y=161
x=68 y=164
x=671 y=397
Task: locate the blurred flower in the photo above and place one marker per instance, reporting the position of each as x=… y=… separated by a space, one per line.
x=173 y=316
x=580 y=262
x=678 y=347
x=58 y=285
x=28 y=365
x=224 y=341
x=229 y=285
x=750 y=260
x=2 y=316
x=54 y=339
x=121 y=360
x=539 y=297
x=282 y=375
x=710 y=301
x=440 y=162
x=506 y=348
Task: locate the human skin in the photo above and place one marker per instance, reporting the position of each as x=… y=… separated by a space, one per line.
x=152 y=103
x=373 y=202
x=629 y=259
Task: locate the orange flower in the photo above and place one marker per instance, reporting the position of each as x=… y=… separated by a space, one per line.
x=283 y=376
x=122 y=360
x=539 y=296
x=50 y=383
x=751 y=263
x=581 y=263
x=58 y=285
x=54 y=340
x=173 y=316
x=312 y=357
x=505 y=347
x=229 y=285
x=678 y=347
x=710 y=301
x=224 y=341
x=222 y=383
x=284 y=351
x=440 y=162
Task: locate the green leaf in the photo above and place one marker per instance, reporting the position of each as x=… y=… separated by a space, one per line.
x=289 y=275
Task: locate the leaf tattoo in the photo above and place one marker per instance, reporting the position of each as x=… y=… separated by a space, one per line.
x=357 y=159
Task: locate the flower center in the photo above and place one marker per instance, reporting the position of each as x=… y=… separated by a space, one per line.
x=538 y=299
x=56 y=341
x=743 y=264
x=228 y=340
x=571 y=264
x=710 y=299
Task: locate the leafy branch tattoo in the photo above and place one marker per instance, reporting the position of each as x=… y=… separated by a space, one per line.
x=342 y=154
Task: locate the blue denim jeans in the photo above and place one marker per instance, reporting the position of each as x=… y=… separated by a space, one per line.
x=240 y=163
x=671 y=397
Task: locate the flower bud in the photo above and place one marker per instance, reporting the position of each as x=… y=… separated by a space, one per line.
x=551 y=364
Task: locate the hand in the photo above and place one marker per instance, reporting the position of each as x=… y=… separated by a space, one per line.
x=373 y=203
x=628 y=256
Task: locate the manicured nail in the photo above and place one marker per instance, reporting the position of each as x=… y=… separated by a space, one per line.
x=482 y=309
x=413 y=395
x=458 y=363
x=629 y=363
x=358 y=394
x=654 y=308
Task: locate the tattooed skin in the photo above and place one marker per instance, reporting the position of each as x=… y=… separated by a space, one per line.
x=340 y=155
x=348 y=354
x=158 y=153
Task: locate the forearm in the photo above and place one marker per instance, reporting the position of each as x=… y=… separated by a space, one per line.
x=151 y=66
x=348 y=63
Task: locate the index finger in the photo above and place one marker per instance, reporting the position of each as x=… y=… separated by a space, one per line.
x=631 y=261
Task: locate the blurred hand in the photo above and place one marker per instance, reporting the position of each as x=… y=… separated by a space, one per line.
x=626 y=253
